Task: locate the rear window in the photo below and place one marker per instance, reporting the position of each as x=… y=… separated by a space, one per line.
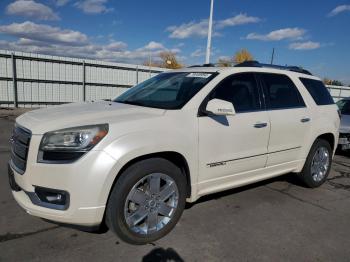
x=318 y=91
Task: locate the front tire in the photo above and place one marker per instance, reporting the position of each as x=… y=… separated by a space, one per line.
x=147 y=201
x=318 y=164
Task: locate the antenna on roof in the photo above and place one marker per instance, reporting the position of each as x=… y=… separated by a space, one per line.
x=273 y=55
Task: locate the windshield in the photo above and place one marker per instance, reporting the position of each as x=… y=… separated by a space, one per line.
x=344 y=106
x=166 y=90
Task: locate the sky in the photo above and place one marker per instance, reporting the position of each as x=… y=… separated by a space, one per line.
x=312 y=34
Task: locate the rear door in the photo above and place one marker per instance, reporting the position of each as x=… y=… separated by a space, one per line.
x=290 y=118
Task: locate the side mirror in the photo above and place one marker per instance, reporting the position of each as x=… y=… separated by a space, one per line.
x=220 y=107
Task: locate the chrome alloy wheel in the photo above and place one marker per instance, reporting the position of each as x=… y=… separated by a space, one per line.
x=320 y=163
x=151 y=203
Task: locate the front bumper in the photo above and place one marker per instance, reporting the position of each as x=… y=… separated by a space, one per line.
x=85 y=180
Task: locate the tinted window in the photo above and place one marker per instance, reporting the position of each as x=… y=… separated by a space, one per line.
x=344 y=106
x=318 y=91
x=280 y=92
x=241 y=90
x=167 y=90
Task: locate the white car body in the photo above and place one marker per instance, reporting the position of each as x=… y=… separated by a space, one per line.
x=219 y=157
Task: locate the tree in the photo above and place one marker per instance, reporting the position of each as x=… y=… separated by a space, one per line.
x=242 y=56
x=169 y=60
x=165 y=59
x=224 y=62
x=331 y=82
x=337 y=83
x=327 y=81
x=151 y=64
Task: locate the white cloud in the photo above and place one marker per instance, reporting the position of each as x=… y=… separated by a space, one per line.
x=116 y=46
x=61 y=2
x=31 y=9
x=189 y=30
x=277 y=35
x=200 y=29
x=153 y=46
x=305 y=45
x=339 y=9
x=44 y=33
x=93 y=6
x=44 y=39
x=240 y=19
x=198 y=53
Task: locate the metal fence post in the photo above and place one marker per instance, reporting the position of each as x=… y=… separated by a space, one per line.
x=137 y=74
x=14 y=80
x=84 y=81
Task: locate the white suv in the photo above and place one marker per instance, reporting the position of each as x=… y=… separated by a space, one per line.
x=132 y=163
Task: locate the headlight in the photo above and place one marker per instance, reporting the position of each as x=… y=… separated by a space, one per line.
x=71 y=143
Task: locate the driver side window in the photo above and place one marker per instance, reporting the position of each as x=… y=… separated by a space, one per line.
x=241 y=90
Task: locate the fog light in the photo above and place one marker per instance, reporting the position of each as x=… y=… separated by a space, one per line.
x=52 y=196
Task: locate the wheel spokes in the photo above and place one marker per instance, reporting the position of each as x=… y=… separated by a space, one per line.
x=152 y=221
x=165 y=210
x=151 y=203
x=136 y=217
x=167 y=191
x=154 y=183
x=320 y=164
x=139 y=197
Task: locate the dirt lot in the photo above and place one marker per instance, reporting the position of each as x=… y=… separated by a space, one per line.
x=276 y=220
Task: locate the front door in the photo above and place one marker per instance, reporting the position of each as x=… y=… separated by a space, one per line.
x=229 y=145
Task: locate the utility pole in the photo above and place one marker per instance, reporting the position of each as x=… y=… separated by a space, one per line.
x=210 y=28
x=272 y=56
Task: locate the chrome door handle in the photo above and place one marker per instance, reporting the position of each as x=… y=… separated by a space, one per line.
x=260 y=125
x=305 y=119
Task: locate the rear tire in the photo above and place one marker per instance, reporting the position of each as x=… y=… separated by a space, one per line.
x=317 y=165
x=136 y=211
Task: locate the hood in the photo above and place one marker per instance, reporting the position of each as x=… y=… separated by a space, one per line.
x=79 y=114
x=345 y=124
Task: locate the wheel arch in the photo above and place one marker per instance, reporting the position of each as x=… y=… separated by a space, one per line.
x=329 y=137
x=172 y=156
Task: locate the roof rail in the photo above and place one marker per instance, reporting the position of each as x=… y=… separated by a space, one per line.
x=289 y=68
x=204 y=65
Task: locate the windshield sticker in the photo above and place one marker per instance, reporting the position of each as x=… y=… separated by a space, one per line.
x=200 y=75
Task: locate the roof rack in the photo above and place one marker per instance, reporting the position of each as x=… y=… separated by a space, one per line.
x=289 y=68
x=257 y=64
x=204 y=65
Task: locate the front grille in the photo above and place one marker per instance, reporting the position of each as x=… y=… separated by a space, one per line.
x=19 y=149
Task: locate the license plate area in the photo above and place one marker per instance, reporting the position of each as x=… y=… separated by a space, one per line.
x=12 y=180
